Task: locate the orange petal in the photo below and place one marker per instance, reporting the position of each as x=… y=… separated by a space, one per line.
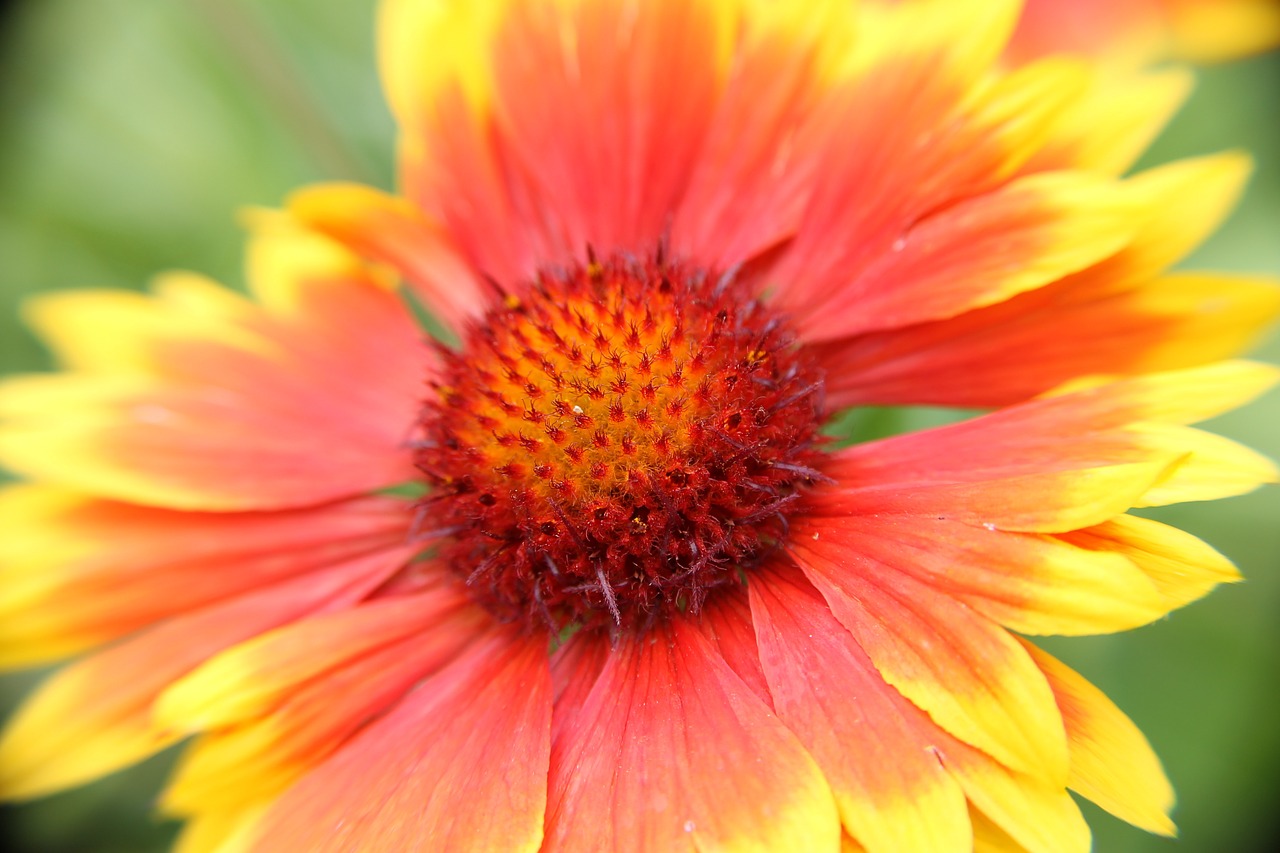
x=906 y=136
x=279 y=405
x=254 y=677
x=227 y=769
x=726 y=619
x=1115 y=317
x=968 y=673
x=1126 y=32
x=760 y=160
x=871 y=744
x=76 y=571
x=88 y=719
x=1067 y=461
x=608 y=170
x=461 y=761
x=1030 y=583
x=392 y=231
x=671 y=751
x=1136 y=31
x=975 y=252
x=1013 y=351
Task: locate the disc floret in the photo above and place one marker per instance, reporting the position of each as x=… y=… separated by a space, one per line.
x=616 y=441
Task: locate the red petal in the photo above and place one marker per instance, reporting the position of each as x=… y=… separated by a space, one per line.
x=875 y=748
x=94 y=716
x=1029 y=583
x=79 y=571
x=671 y=751
x=624 y=99
x=968 y=673
x=461 y=763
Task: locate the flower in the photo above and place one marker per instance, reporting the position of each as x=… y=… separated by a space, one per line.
x=585 y=573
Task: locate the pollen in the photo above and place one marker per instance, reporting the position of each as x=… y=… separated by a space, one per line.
x=616 y=441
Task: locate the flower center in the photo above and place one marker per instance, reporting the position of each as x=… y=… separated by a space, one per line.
x=616 y=443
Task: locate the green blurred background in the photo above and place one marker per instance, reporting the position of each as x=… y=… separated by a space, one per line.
x=132 y=130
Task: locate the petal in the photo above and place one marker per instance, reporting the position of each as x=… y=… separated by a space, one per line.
x=1208 y=31
x=252 y=678
x=87 y=721
x=871 y=744
x=975 y=252
x=390 y=230
x=1132 y=32
x=988 y=837
x=671 y=751
x=625 y=96
x=227 y=769
x=219 y=832
x=1182 y=567
x=1033 y=584
x=966 y=672
x=1039 y=818
x=942 y=148
x=1013 y=351
x=1045 y=502
x=1114 y=122
x=1129 y=31
x=77 y=571
x=1115 y=317
x=460 y=763
x=284 y=409
x=1112 y=764
x=1213 y=467
x=761 y=157
x=726 y=619
x=457 y=34
x=1063 y=462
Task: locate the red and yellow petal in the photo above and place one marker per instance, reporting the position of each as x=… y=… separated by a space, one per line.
x=1030 y=583
x=966 y=672
x=390 y=230
x=1011 y=352
x=88 y=719
x=873 y=747
x=76 y=571
x=978 y=251
x=1117 y=317
x=1112 y=764
x=1181 y=567
x=459 y=36
x=254 y=677
x=672 y=751
x=1038 y=817
x=909 y=175
x=303 y=722
x=1135 y=31
x=760 y=160
x=605 y=166
x=262 y=407
x=1064 y=462
x=461 y=761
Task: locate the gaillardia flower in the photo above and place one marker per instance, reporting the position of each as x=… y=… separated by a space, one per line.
x=584 y=572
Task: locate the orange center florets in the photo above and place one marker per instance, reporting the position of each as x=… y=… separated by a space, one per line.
x=615 y=442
